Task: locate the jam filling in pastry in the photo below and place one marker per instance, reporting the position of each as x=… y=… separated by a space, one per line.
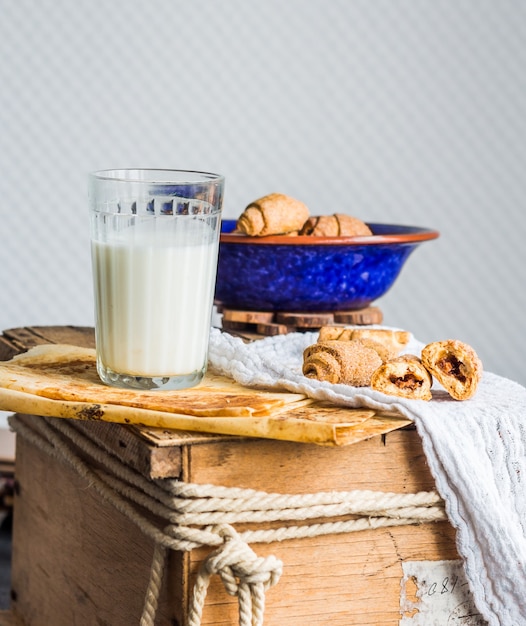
x=404 y=376
x=455 y=365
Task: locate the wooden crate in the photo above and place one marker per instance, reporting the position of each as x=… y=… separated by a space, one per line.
x=75 y=555
x=8 y=619
x=77 y=560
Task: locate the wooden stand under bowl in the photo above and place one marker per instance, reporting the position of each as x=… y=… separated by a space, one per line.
x=268 y=323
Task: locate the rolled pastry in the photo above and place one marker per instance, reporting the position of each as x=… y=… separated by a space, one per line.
x=335 y=333
x=405 y=376
x=393 y=341
x=347 y=362
x=275 y=214
x=383 y=351
x=455 y=365
x=335 y=225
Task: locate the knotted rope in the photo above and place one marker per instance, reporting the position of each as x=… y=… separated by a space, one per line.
x=244 y=575
x=202 y=515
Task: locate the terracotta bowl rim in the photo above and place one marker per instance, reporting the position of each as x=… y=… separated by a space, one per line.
x=413 y=234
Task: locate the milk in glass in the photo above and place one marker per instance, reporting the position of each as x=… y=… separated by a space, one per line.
x=154 y=285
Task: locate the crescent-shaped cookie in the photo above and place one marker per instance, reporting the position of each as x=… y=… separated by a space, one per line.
x=335 y=333
x=455 y=365
x=404 y=376
x=392 y=341
x=339 y=224
x=347 y=362
x=274 y=214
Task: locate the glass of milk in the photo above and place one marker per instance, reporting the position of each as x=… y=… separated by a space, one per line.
x=154 y=246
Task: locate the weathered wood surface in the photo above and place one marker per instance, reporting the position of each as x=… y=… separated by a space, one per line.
x=16 y=340
x=64 y=532
x=7 y=618
x=255 y=324
x=75 y=559
x=345 y=580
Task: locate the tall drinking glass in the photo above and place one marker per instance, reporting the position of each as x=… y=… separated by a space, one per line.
x=154 y=245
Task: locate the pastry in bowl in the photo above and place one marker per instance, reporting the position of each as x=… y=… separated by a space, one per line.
x=274 y=214
x=339 y=224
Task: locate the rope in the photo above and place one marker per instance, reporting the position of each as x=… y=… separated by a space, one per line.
x=243 y=574
x=202 y=515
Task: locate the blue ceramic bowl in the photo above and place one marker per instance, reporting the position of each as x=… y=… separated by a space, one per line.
x=310 y=274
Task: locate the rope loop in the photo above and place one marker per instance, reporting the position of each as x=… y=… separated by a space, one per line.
x=235 y=561
x=243 y=573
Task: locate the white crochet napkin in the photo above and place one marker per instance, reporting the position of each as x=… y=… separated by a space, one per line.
x=476 y=450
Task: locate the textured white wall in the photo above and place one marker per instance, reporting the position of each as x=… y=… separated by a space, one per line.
x=394 y=110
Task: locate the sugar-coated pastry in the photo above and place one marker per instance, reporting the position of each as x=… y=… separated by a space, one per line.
x=404 y=376
x=335 y=225
x=455 y=365
x=383 y=351
x=393 y=341
x=338 y=332
x=347 y=362
x=274 y=214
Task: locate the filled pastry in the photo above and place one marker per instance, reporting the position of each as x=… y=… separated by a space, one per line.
x=347 y=362
x=274 y=214
x=335 y=225
x=455 y=365
x=336 y=333
x=405 y=376
x=383 y=351
x=392 y=342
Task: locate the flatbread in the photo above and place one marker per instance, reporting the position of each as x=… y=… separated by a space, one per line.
x=62 y=381
x=63 y=372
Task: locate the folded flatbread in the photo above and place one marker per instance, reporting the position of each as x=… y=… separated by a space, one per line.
x=62 y=372
x=62 y=381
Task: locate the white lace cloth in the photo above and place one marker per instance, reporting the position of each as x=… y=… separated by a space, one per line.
x=476 y=450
